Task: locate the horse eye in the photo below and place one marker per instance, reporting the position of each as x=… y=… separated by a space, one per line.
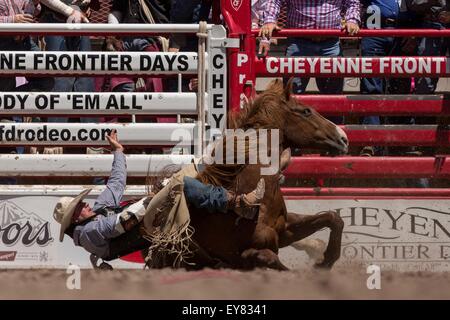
x=306 y=112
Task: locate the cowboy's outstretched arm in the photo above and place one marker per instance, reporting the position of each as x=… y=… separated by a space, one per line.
x=115 y=187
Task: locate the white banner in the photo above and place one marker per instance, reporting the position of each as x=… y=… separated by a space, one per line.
x=404 y=235
x=75 y=104
x=88 y=134
x=29 y=236
x=97 y=63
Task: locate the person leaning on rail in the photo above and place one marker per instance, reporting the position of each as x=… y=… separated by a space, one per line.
x=95 y=228
x=307 y=14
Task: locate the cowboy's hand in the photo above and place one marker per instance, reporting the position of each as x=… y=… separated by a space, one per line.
x=351 y=28
x=77 y=17
x=264 y=47
x=267 y=30
x=444 y=17
x=114 y=142
x=23 y=18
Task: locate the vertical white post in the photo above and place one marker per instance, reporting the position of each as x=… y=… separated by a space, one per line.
x=217 y=83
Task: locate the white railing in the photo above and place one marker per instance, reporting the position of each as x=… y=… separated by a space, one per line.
x=78 y=165
x=82 y=104
x=97 y=29
x=76 y=104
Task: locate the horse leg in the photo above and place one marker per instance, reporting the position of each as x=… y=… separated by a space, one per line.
x=302 y=226
x=262 y=258
x=264 y=250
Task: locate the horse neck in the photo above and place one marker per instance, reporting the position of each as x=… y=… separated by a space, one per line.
x=225 y=174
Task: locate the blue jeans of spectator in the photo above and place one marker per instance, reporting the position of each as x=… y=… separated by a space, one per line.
x=375 y=47
x=132 y=44
x=69 y=84
x=429 y=47
x=186 y=12
x=202 y=196
x=302 y=47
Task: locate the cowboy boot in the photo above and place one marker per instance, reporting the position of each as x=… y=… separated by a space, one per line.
x=247 y=205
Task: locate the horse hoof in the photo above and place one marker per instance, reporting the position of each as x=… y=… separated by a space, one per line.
x=105 y=266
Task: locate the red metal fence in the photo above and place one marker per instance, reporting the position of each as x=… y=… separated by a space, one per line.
x=245 y=67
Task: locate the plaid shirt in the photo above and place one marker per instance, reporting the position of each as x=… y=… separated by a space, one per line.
x=314 y=14
x=9 y=8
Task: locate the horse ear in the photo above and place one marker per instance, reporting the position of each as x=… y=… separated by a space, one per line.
x=285 y=159
x=276 y=86
x=288 y=89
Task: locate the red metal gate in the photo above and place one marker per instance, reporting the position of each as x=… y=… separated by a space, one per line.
x=245 y=67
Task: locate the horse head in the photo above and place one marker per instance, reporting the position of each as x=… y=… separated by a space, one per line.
x=300 y=126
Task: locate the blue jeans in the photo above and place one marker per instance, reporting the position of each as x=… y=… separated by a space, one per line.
x=202 y=196
x=184 y=11
x=69 y=84
x=132 y=44
x=429 y=47
x=374 y=47
x=302 y=47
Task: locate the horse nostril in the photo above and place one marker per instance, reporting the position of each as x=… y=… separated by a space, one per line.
x=344 y=140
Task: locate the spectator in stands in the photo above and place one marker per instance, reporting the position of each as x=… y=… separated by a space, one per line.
x=430 y=13
x=321 y=14
x=192 y=11
x=68 y=11
x=20 y=11
x=378 y=14
x=406 y=46
x=444 y=18
x=139 y=11
x=258 y=11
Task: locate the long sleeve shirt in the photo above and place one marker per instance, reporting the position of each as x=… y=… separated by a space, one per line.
x=95 y=235
x=9 y=8
x=314 y=14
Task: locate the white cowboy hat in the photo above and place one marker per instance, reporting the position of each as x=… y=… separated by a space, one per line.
x=65 y=209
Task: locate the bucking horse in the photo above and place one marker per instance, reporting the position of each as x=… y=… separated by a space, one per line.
x=223 y=240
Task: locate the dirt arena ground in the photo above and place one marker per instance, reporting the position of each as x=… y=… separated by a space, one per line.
x=222 y=284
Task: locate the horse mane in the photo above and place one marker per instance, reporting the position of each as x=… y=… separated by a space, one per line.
x=267 y=109
x=263 y=111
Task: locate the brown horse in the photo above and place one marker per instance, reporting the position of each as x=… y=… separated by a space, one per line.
x=246 y=244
